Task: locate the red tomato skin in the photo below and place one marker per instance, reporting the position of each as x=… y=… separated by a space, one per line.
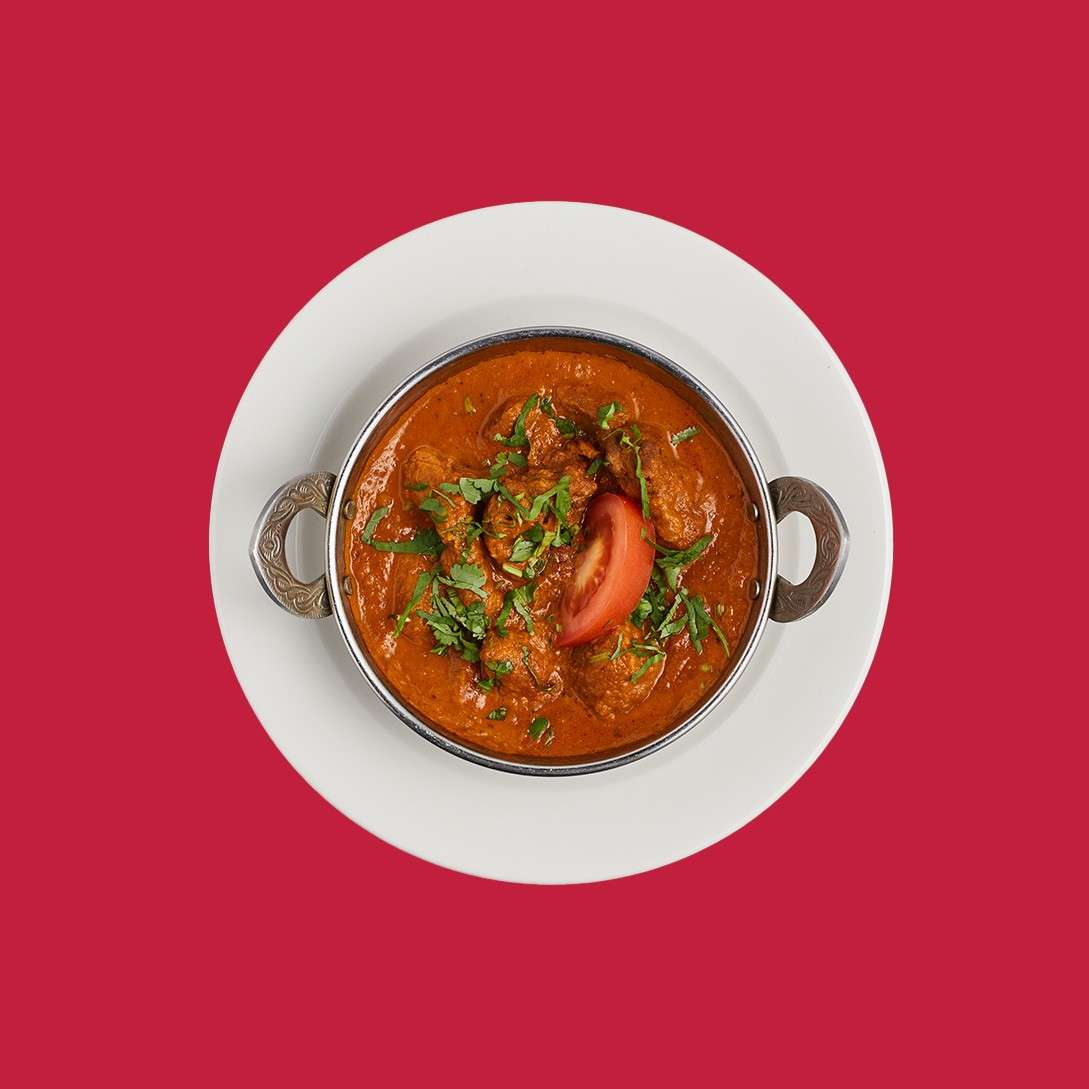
x=626 y=570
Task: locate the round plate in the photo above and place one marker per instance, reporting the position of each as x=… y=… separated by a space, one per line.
x=551 y=264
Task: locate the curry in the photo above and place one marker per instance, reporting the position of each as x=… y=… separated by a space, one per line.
x=551 y=555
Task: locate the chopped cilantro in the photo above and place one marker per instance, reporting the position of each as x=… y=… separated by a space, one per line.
x=434 y=508
x=372 y=522
x=684 y=436
x=498 y=713
x=520 y=608
x=594 y=467
x=606 y=412
x=474 y=488
x=455 y=625
x=425 y=542
x=564 y=426
x=538 y=727
x=515 y=599
x=504 y=460
x=672 y=560
x=466 y=576
x=633 y=440
x=518 y=436
x=651 y=660
x=522 y=550
x=423 y=581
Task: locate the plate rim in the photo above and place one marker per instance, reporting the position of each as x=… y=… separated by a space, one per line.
x=865 y=660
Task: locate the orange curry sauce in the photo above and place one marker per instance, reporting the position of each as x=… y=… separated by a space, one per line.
x=586 y=694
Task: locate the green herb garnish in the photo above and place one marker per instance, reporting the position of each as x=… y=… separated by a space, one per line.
x=426 y=542
x=499 y=712
x=522 y=550
x=455 y=625
x=504 y=460
x=594 y=467
x=538 y=727
x=520 y=608
x=517 y=598
x=684 y=436
x=423 y=581
x=372 y=522
x=419 y=486
x=564 y=426
x=558 y=497
x=673 y=624
x=606 y=412
x=671 y=560
x=474 y=488
x=651 y=659
x=434 y=508
x=633 y=440
x=518 y=436
x=466 y=576
x=523 y=512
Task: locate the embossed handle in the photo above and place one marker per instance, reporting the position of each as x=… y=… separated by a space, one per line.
x=793 y=493
x=306 y=599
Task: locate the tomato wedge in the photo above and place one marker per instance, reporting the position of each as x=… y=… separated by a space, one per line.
x=611 y=571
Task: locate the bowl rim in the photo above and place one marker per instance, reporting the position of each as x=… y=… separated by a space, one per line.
x=389 y=696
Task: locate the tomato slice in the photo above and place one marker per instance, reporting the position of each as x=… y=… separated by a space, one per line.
x=611 y=571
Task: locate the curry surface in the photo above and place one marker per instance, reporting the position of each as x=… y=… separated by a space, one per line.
x=459 y=417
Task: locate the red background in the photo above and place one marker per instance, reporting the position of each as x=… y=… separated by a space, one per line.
x=185 y=910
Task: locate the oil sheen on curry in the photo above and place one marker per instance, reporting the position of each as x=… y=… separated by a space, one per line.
x=551 y=555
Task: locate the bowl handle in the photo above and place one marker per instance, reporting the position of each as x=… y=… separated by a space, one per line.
x=793 y=493
x=306 y=599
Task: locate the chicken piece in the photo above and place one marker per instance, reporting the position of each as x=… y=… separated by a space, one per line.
x=604 y=683
x=503 y=524
x=450 y=513
x=673 y=489
x=548 y=436
x=583 y=404
x=543 y=437
x=453 y=517
x=534 y=676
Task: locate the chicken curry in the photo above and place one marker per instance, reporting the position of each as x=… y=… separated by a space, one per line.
x=550 y=555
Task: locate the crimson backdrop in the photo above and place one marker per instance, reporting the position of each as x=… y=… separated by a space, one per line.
x=186 y=909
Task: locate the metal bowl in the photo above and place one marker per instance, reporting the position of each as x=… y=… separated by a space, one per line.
x=774 y=597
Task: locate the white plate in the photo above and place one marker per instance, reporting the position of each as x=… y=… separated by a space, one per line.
x=551 y=264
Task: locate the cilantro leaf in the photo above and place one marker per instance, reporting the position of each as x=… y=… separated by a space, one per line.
x=518 y=433
x=684 y=436
x=564 y=426
x=425 y=542
x=606 y=412
x=466 y=576
x=633 y=441
x=372 y=522
x=423 y=581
